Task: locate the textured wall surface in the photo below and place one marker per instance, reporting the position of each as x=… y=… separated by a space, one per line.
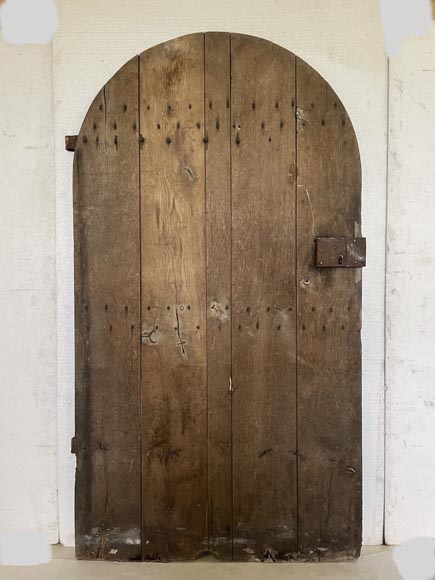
x=343 y=41
x=410 y=324
x=28 y=439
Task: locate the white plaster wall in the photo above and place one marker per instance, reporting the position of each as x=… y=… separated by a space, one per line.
x=410 y=370
x=28 y=439
x=343 y=41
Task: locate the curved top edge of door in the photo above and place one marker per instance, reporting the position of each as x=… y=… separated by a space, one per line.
x=231 y=34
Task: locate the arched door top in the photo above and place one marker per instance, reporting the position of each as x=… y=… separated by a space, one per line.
x=218 y=363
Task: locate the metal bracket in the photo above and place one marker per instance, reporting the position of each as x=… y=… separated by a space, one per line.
x=340 y=252
x=70 y=142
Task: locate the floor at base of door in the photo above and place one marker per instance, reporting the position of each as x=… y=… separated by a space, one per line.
x=376 y=563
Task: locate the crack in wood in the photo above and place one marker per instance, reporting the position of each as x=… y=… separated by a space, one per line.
x=149 y=336
x=181 y=342
x=190 y=173
x=311 y=206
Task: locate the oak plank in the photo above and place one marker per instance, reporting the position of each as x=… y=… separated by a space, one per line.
x=264 y=299
x=218 y=233
x=174 y=409
x=194 y=265
x=107 y=290
x=329 y=324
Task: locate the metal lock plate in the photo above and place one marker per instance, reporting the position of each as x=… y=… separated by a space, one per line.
x=340 y=252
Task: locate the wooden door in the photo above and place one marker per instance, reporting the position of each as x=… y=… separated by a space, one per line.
x=218 y=367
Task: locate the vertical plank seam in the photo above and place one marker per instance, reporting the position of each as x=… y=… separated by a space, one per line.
x=140 y=308
x=231 y=298
x=207 y=508
x=105 y=131
x=104 y=527
x=297 y=306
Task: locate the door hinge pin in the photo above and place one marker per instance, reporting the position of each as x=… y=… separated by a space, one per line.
x=71 y=142
x=231 y=388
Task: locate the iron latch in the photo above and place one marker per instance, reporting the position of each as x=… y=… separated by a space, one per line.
x=340 y=252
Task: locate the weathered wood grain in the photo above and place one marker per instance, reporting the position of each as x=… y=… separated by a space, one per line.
x=107 y=290
x=218 y=234
x=174 y=412
x=264 y=299
x=218 y=371
x=329 y=323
